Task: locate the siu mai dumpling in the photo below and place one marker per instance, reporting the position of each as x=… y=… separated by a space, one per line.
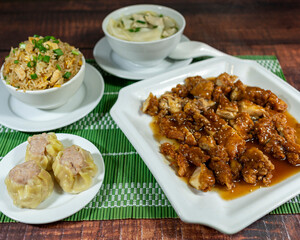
x=28 y=184
x=43 y=149
x=74 y=169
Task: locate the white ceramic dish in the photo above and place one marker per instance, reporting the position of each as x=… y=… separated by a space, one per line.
x=144 y=53
x=60 y=204
x=22 y=117
x=48 y=98
x=118 y=66
x=191 y=205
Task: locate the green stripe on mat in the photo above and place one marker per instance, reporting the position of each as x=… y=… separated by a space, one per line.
x=129 y=189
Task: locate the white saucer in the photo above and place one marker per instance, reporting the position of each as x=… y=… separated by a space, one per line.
x=118 y=66
x=20 y=116
x=60 y=204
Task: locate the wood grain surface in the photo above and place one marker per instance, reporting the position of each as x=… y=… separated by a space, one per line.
x=237 y=27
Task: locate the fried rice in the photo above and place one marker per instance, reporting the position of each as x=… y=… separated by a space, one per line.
x=41 y=63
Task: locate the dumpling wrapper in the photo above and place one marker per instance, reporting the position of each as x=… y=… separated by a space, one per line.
x=43 y=149
x=28 y=184
x=74 y=169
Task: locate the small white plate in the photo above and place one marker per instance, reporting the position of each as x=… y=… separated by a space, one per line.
x=60 y=204
x=191 y=205
x=118 y=66
x=22 y=117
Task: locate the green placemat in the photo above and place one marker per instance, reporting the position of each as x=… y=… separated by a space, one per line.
x=129 y=190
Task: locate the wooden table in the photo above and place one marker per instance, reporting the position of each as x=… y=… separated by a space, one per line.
x=238 y=27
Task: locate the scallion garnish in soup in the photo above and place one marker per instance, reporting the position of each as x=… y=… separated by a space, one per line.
x=142 y=27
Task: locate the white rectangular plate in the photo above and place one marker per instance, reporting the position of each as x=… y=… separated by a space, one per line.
x=194 y=206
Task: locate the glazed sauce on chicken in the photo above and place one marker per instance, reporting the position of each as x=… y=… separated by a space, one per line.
x=156 y=134
x=283 y=169
x=225 y=133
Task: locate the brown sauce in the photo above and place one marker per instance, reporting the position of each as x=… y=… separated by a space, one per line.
x=283 y=169
x=156 y=134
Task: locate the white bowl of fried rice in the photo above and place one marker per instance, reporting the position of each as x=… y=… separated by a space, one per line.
x=43 y=72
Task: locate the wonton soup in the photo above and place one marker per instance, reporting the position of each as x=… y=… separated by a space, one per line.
x=142 y=27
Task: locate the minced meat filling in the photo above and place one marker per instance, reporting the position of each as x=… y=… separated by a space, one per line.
x=23 y=172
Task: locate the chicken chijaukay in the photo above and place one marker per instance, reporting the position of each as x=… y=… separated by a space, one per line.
x=211 y=123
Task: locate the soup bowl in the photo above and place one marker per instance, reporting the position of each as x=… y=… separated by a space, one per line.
x=148 y=53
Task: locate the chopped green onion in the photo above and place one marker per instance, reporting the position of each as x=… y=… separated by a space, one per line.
x=75 y=52
x=7 y=56
x=58 y=52
x=40 y=57
x=33 y=76
x=31 y=64
x=58 y=67
x=139 y=21
x=46 y=59
x=134 y=29
x=161 y=15
x=131 y=18
x=39 y=44
x=34 y=58
x=35 y=35
x=22 y=45
x=67 y=75
x=14 y=51
x=47 y=38
x=16 y=61
x=5 y=77
x=155 y=26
